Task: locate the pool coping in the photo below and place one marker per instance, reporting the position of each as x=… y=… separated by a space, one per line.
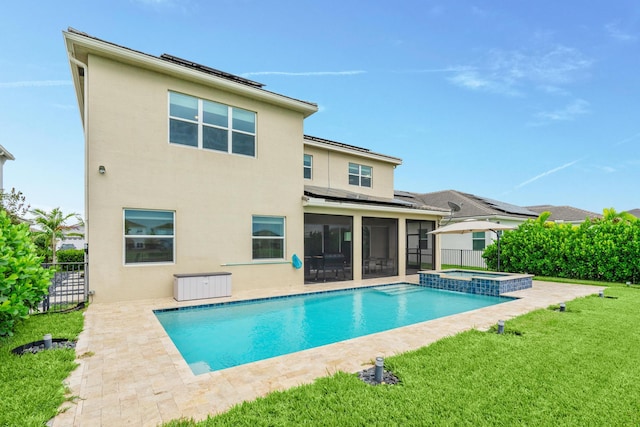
x=131 y=373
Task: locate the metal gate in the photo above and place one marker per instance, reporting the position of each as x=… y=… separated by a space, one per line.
x=69 y=287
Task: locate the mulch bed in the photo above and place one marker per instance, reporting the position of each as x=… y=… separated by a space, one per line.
x=38 y=346
x=369 y=377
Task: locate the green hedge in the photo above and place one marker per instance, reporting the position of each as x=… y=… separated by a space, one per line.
x=607 y=250
x=70 y=255
x=23 y=281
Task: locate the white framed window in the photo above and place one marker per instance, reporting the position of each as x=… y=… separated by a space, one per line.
x=149 y=236
x=308 y=166
x=210 y=125
x=268 y=237
x=478 y=240
x=359 y=175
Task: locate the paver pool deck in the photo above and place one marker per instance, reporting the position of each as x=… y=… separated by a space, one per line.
x=130 y=373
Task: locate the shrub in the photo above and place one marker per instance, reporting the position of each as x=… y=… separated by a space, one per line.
x=598 y=249
x=23 y=281
x=70 y=255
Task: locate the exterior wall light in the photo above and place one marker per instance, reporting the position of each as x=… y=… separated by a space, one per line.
x=102 y=170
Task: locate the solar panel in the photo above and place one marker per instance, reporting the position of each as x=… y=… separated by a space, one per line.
x=508 y=208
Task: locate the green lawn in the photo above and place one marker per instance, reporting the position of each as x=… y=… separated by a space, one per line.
x=549 y=368
x=574 y=368
x=31 y=386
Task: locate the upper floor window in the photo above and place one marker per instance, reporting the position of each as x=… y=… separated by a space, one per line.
x=210 y=125
x=478 y=240
x=359 y=175
x=308 y=166
x=148 y=236
x=268 y=237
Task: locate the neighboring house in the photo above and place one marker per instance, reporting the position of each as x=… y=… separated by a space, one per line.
x=193 y=170
x=73 y=242
x=561 y=214
x=635 y=212
x=465 y=206
x=4 y=156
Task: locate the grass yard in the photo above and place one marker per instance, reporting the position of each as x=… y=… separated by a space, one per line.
x=579 y=367
x=31 y=386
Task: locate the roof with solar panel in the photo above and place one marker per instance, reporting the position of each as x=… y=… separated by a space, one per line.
x=471 y=206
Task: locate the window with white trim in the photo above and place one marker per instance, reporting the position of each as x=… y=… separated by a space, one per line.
x=308 y=166
x=268 y=234
x=478 y=240
x=359 y=175
x=210 y=125
x=149 y=236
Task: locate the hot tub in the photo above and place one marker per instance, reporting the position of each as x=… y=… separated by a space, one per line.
x=475 y=282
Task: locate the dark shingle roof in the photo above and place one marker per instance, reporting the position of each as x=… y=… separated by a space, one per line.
x=310 y=138
x=470 y=204
x=635 y=212
x=350 y=196
x=564 y=213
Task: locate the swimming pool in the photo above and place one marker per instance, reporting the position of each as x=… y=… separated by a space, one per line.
x=224 y=335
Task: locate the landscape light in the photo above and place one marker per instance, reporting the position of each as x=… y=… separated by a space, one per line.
x=500 y=326
x=379 y=369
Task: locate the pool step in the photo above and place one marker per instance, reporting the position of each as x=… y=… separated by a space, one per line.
x=398 y=290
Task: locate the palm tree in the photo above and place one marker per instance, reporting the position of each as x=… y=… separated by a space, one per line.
x=53 y=226
x=543 y=217
x=610 y=214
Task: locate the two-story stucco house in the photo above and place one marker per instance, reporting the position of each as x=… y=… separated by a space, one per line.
x=192 y=170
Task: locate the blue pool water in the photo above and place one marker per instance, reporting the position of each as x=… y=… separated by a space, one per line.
x=223 y=335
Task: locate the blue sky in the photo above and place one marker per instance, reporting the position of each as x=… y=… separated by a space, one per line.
x=525 y=102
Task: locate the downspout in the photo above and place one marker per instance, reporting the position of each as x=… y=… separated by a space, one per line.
x=85 y=127
x=328 y=168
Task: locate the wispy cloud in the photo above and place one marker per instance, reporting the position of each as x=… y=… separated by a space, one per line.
x=304 y=73
x=626 y=140
x=435 y=70
x=505 y=72
x=614 y=31
x=547 y=173
x=553 y=90
x=607 y=169
x=474 y=80
x=567 y=113
x=155 y=2
x=35 y=83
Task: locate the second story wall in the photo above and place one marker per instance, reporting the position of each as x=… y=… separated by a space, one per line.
x=213 y=195
x=332 y=169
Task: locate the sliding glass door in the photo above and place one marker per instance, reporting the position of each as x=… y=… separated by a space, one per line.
x=379 y=247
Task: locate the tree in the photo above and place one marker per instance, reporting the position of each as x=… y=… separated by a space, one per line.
x=23 y=280
x=14 y=204
x=610 y=214
x=53 y=226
